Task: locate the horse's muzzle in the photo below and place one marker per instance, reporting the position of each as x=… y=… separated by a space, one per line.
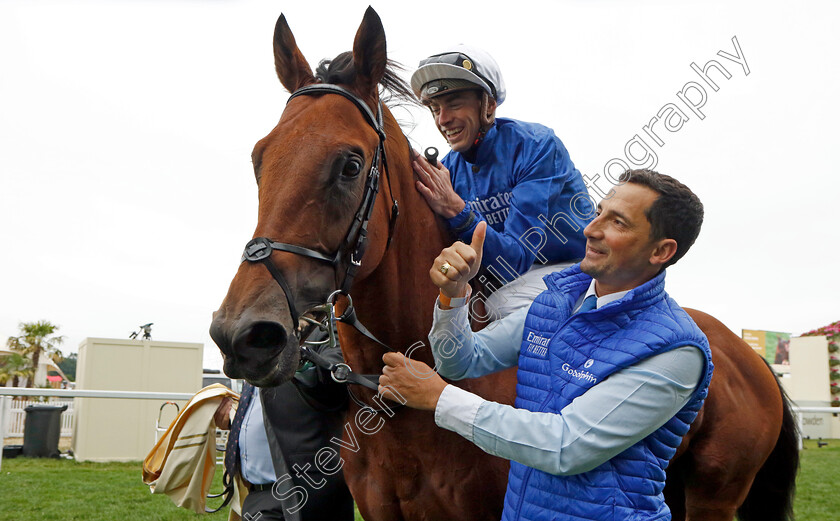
x=258 y=336
x=263 y=352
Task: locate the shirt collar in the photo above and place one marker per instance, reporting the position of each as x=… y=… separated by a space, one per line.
x=571 y=280
x=606 y=299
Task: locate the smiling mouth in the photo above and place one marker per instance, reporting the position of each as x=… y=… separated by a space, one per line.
x=593 y=251
x=453 y=133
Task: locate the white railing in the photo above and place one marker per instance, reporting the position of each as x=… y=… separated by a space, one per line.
x=832 y=410
x=7 y=407
x=6 y=394
x=91 y=393
x=17 y=415
x=799 y=421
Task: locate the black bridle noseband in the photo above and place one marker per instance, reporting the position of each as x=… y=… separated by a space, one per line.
x=350 y=252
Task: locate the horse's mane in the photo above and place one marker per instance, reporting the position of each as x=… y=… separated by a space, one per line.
x=340 y=70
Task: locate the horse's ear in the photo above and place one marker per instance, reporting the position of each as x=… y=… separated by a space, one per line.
x=292 y=68
x=369 y=51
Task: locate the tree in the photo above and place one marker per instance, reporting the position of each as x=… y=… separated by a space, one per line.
x=36 y=339
x=68 y=366
x=14 y=367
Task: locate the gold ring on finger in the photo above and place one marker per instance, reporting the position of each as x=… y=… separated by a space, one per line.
x=444 y=268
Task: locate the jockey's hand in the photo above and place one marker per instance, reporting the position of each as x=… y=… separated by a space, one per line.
x=222 y=414
x=434 y=184
x=417 y=384
x=463 y=259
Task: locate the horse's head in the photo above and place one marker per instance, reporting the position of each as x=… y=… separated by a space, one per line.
x=314 y=172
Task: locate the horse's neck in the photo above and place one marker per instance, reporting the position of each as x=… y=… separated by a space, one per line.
x=396 y=300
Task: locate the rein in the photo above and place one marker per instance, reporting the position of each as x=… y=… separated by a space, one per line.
x=351 y=251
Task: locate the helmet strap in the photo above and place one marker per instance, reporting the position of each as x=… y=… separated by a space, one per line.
x=487 y=117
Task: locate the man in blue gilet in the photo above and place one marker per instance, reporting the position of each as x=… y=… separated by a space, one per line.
x=515 y=176
x=611 y=371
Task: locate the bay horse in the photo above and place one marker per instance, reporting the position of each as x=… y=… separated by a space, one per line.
x=323 y=225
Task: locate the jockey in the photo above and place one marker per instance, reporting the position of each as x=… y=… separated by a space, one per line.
x=516 y=176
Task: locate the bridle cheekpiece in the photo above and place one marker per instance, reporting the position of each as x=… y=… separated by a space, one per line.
x=350 y=252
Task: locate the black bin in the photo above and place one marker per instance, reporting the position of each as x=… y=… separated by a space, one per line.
x=12 y=451
x=41 y=431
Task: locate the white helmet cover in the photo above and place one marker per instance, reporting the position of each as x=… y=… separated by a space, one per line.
x=462 y=62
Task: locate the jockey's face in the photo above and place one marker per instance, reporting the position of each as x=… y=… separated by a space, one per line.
x=458 y=117
x=620 y=253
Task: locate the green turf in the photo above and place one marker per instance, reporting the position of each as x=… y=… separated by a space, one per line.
x=64 y=490
x=51 y=489
x=816 y=485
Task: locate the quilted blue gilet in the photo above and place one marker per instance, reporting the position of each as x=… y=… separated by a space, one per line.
x=563 y=355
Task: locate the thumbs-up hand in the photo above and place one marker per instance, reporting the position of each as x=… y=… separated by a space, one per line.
x=458 y=264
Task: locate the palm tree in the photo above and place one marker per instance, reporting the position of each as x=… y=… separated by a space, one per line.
x=14 y=367
x=37 y=338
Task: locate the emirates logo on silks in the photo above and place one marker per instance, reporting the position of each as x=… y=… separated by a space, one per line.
x=588 y=363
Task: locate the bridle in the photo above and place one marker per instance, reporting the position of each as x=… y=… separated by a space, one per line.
x=352 y=248
x=350 y=252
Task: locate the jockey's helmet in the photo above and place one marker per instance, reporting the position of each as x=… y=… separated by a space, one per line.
x=458 y=68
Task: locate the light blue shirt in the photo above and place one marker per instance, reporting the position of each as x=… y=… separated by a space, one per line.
x=601 y=423
x=257 y=465
x=256 y=462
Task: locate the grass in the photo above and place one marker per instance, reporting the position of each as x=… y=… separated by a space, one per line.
x=816 y=485
x=64 y=490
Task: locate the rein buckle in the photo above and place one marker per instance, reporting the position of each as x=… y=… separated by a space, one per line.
x=340 y=373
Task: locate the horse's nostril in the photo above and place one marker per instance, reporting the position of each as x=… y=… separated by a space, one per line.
x=266 y=335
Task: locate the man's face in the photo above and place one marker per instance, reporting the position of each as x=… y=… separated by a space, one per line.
x=620 y=254
x=458 y=117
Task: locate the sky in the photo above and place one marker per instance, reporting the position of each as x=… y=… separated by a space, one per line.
x=126 y=128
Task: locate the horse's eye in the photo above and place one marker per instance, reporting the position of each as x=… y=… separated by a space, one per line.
x=352 y=168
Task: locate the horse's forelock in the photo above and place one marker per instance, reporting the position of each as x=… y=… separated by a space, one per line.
x=341 y=71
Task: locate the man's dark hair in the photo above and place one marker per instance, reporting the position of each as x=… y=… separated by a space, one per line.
x=676 y=214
